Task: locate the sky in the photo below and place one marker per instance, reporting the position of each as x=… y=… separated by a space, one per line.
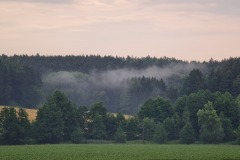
x=184 y=29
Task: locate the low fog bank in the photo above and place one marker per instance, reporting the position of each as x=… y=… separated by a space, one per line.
x=115 y=78
x=86 y=89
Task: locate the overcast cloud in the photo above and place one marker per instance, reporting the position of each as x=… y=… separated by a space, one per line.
x=185 y=29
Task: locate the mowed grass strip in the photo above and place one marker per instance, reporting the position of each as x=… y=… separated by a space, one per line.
x=119 y=151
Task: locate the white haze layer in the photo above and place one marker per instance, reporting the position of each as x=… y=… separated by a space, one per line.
x=116 y=78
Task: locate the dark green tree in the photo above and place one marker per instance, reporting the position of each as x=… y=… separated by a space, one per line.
x=15 y=126
x=98 y=127
x=228 y=129
x=111 y=126
x=193 y=82
x=132 y=128
x=49 y=124
x=11 y=129
x=187 y=134
x=157 y=109
x=194 y=102
x=24 y=124
x=81 y=116
x=120 y=136
x=68 y=111
x=148 y=129
x=226 y=104
x=98 y=108
x=96 y=122
x=77 y=136
x=211 y=127
x=160 y=135
x=170 y=128
x=238 y=135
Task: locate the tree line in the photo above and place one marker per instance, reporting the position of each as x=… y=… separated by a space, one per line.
x=21 y=80
x=202 y=117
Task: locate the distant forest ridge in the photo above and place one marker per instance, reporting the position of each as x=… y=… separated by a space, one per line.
x=123 y=84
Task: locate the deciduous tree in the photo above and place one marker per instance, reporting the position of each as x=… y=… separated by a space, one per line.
x=211 y=127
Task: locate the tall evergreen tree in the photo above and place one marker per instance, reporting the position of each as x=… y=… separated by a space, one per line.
x=68 y=111
x=193 y=83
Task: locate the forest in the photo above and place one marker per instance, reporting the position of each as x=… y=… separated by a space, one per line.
x=170 y=100
x=122 y=84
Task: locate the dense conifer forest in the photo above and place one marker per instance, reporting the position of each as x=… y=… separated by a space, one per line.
x=122 y=84
x=169 y=99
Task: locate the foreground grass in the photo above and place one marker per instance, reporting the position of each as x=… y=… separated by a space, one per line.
x=118 y=151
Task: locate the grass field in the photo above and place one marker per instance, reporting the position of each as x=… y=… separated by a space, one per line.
x=120 y=151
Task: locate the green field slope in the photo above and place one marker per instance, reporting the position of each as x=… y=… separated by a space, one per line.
x=118 y=151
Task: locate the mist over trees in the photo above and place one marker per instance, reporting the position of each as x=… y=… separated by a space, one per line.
x=122 y=84
x=169 y=99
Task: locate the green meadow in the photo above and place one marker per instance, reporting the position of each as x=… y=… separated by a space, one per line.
x=120 y=151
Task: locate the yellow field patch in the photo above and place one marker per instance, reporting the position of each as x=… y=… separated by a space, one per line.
x=32 y=113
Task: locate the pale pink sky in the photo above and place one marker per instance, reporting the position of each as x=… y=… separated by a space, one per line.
x=185 y=29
